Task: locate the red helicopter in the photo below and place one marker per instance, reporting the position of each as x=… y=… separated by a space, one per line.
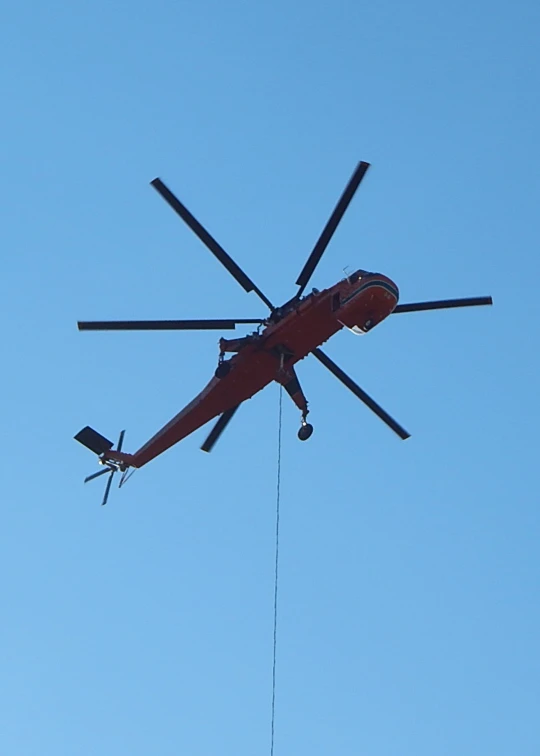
x=290 y=332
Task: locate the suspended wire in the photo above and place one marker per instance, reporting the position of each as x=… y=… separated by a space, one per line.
x=276 y=573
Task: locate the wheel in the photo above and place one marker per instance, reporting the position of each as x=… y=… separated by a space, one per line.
x=222 y=370
x=305 y=432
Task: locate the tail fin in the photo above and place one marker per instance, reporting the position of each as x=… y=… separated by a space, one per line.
x=94 y=441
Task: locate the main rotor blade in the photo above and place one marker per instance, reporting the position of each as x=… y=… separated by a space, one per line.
x=218 y=429
x=331 y=226
x=209 y=240
x=97 y=475
x=360 y=393
x=108 y=488
x=442 y=304
x=162 y=325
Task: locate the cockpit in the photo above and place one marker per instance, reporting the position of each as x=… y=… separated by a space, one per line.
x=370 y=298
x=358 y=275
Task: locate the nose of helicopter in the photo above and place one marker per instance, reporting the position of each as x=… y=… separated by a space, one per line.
x=370 y=298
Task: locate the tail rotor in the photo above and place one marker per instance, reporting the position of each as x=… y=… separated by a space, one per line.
x=101 y=446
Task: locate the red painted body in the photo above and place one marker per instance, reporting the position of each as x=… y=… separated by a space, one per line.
x=360 y=302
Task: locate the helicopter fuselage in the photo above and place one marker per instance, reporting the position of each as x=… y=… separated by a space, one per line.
x=359 y=302
x=291 y=332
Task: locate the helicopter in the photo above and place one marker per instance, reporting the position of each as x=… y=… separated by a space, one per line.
x=291 y=332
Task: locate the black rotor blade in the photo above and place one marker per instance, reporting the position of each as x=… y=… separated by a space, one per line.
x=162 y=325
x=360 y=393
x=443 y=304
x=120 y=441
x=218 y=429
x=209 y=240
x=331 y=226
x=107 y=489
x=96 y=475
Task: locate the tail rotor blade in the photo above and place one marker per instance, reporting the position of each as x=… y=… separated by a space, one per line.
x=360 y=393
x=108 y=488
x=120 y=441
x=97 y=475
x=218 y=429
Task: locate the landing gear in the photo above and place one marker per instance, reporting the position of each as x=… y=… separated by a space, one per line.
x=289 y=380
x=306 y=429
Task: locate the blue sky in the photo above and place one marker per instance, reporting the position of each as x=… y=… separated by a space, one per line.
x=408 y=614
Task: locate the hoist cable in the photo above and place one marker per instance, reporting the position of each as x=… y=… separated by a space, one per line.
x=276 y=573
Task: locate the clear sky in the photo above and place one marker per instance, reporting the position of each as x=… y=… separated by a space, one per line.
x=408 y=614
